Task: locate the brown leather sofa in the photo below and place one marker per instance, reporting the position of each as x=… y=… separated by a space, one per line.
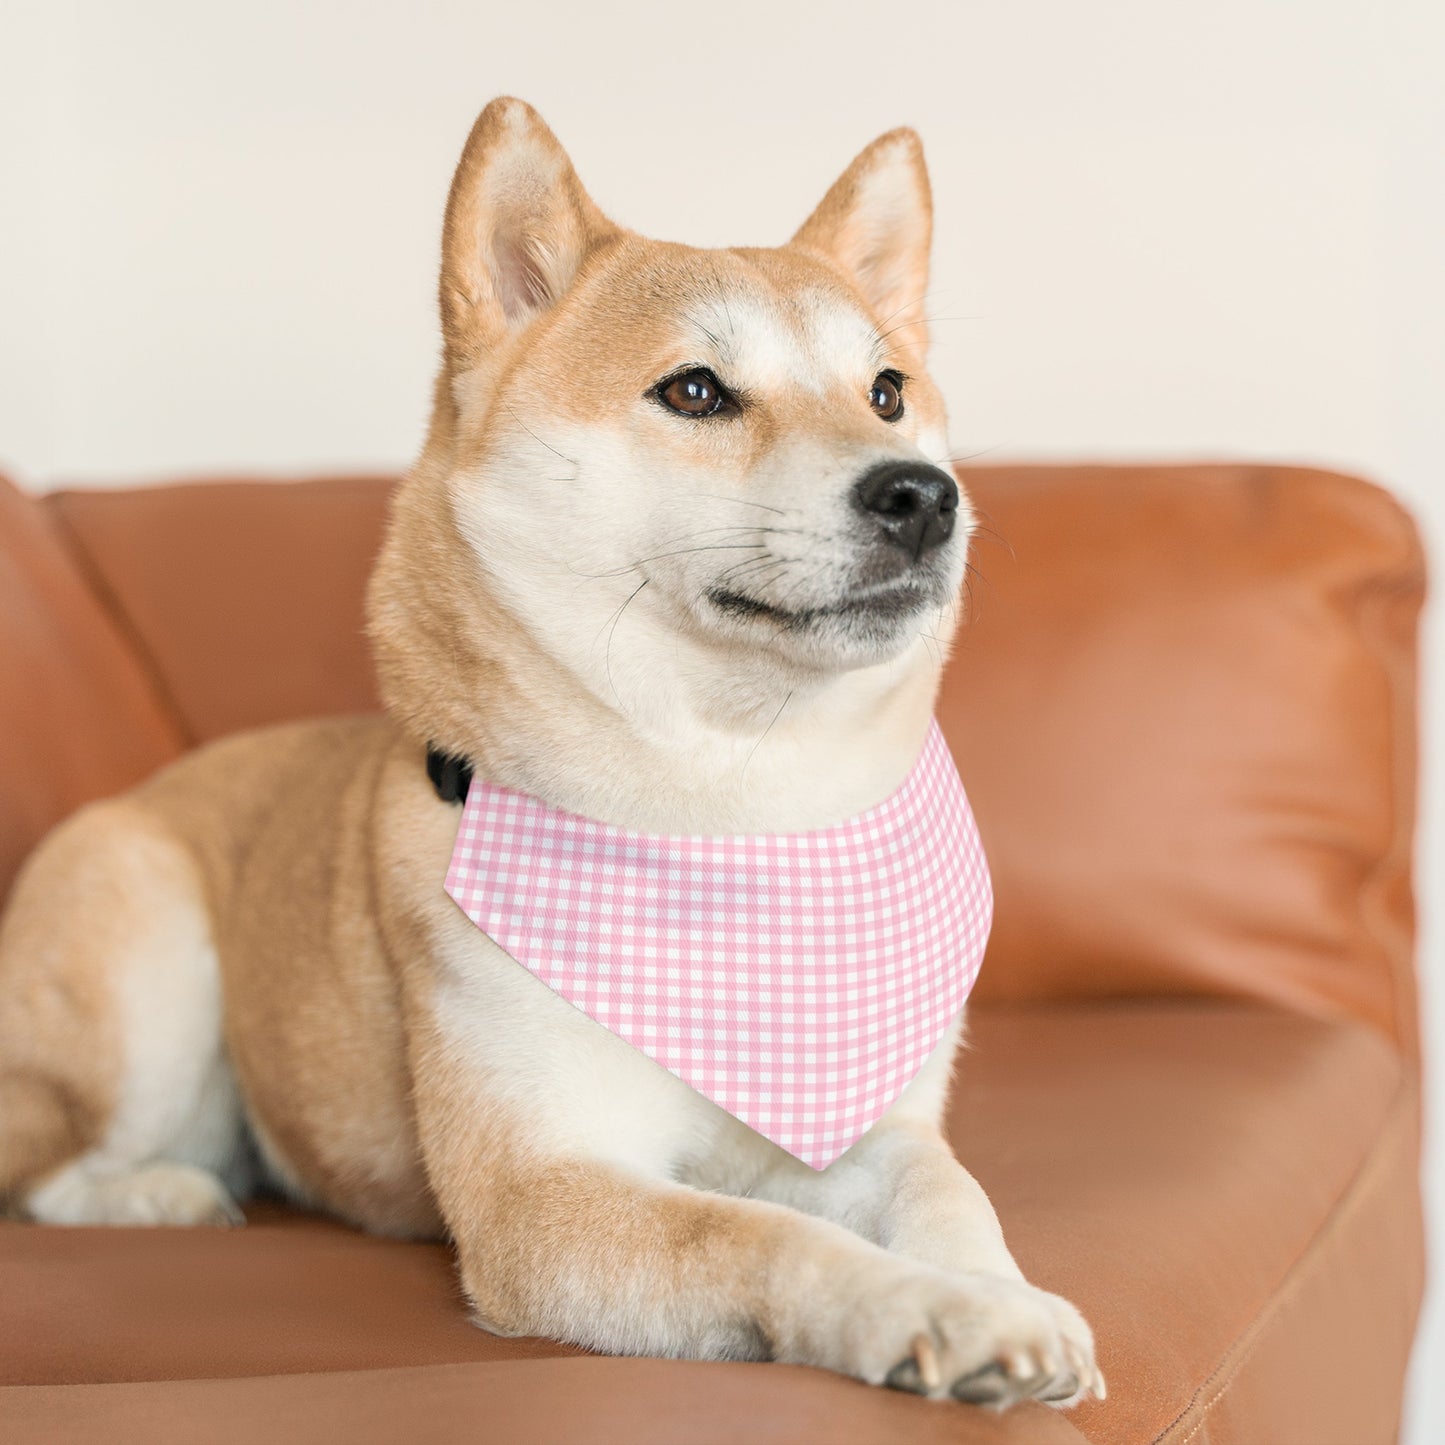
x=1184 y=708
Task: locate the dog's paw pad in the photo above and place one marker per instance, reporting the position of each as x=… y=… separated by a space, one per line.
x=906 y=1377
x=989 y=1386
x=1061 y=1390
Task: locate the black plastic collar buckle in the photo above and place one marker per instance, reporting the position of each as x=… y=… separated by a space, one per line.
x=450 y=776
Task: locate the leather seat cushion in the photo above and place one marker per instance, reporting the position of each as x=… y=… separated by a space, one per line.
x=1225 y=1190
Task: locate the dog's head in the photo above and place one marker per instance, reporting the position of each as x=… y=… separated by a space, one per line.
x=736 y=453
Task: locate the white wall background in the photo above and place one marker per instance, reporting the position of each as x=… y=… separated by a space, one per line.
x=1163 y=229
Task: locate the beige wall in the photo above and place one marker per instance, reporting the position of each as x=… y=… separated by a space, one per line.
x=1198 y=229
x=1161 y=228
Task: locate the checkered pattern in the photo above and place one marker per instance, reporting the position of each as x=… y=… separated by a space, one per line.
x=799 y=980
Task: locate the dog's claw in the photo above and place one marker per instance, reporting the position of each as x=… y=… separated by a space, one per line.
x=1088 y=1376
x=1020 y=1364
x=926 y=1355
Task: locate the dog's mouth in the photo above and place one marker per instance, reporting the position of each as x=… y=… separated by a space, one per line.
x=890 y=603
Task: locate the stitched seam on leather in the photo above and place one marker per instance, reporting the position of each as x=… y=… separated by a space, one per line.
x=1300 y=1272
x=1404 y=579
x=1401 y=682
x=124 y=623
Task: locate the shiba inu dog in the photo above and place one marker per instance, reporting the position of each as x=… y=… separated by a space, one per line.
x=677 y=555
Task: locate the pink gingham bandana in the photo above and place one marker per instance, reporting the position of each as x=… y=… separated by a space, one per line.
x=799 y=980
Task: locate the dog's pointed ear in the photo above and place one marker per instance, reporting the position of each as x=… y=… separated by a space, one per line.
x=518 y=228
x=877 y=224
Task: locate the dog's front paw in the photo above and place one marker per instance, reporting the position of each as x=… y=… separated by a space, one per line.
x=980 y=1338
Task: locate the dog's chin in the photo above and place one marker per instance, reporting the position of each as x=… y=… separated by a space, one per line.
x=858 y=628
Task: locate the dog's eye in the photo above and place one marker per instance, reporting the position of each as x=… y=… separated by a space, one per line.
x=694 y=393
x=886 y=398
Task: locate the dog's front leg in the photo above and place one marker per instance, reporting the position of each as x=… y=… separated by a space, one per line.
x=901 y=1188
x=900 y=1185
x=608 y=1252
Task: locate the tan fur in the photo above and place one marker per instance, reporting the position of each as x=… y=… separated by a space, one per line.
x=875 y=245
x=264 y=921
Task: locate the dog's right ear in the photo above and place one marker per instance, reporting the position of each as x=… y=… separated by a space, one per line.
x=518 y=227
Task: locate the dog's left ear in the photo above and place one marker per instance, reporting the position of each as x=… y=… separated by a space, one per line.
x=877 y=224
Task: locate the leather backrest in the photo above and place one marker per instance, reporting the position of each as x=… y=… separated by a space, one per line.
x=1184 y=709
x=1183 y=705
x=79 y=718
x=246 y=596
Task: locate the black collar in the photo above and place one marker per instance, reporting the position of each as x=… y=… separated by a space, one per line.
x=451 y=776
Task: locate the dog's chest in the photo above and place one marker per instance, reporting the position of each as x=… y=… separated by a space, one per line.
x=799 y=981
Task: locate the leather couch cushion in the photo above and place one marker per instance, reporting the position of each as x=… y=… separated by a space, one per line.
x=531 y=1402
x=1184 y=1171
x=79 y=717
x=1184 y=709
x=245 y=596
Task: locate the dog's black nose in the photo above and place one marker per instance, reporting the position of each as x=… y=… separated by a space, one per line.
x=915 y=504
